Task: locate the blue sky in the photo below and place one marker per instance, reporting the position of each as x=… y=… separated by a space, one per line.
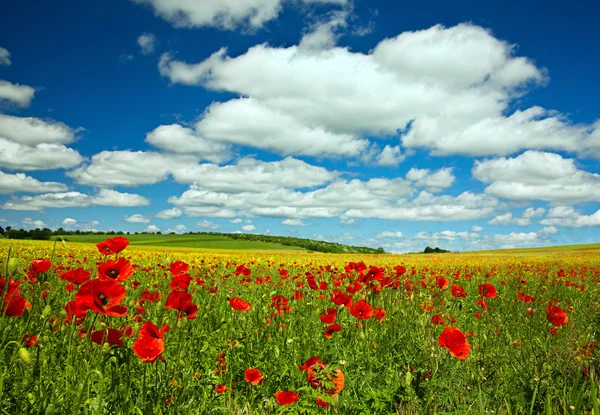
x=466 y=125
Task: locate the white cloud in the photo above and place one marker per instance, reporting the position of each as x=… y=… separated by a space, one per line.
x=237 y=220
x=147 y=43
x=21 y=95
x=206 y=224
x=247 y=122
x=524 y=220
x=127 y=168
x=434 y=182
x=446 y=236
x=477 y=228
x=569 y=217
x=104 y=197
x=293 y=222
x=390 y=156
x=253 y=175
x=137 y=218
x=536 y=175
x=152 y=228
x=325 y=33
x=69 y=222
x=549 y=230
x=248 y=228
x=224 y=14
x=178 y=139
x=33 y=223
x=32 y=131
x=4 y=57
x=38 y=157
x=19 y=182
x=387 y=234
x=169 y=213
x=109 y=197
x=345 y=220
x=518 y=238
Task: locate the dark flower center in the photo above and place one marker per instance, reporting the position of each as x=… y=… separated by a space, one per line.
x=103 y=299
x=113 y=273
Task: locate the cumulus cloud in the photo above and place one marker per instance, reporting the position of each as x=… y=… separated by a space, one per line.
x=390 y=156
x=147 y=43
x=19 y=182
x=20 y=95
x=477 y=228
x=224 y=14
x=387 y=234
x=524 y=220
x=433 y=182
x=69 y=222
x=137 y=218
x=104 y=197
x=293 y=222
x=28 y=222
x=4 y=57
x=152 y=228
x=536 y=175
x=169 y=213
x=206 y=224
x=248 y=228
x=569 y=217
x=32 y=131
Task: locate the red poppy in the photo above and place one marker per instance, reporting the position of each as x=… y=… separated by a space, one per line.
x=437 y=319
x=380 y=314
x=178 y=267
x=40 y=265
x=182 y=301
x=239 y=304
x=321 y=403
x=458 y=291
x=287 y=397
x=29 y=341
x=483 y=304
x=242 y=270
x=109 y=335
x=361 y=310
x=334 y=328
x=75 y=276
x=102 y=297
x=220 y=389
x=339 y=298
x=487 y=290
x=113 y=246
x=556 y=315
x=14 y=304
x=150 y=343
x=329 y=317
x=116 y=270
x=76 y=309
x=253 y=376
x=455 y=341
x=180 y=282
x=441 y=282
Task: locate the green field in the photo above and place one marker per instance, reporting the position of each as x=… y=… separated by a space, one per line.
x=209 y=242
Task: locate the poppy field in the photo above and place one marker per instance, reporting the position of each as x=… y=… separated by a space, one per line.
x=112 y=329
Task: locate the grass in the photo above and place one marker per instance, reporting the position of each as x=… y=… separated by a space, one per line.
x=589 y=248
x=210 y=242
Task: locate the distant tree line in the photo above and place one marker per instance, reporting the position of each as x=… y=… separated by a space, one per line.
x=308 y=244
x=436 y=250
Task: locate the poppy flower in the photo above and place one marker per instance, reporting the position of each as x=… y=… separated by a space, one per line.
x=334 y=328
x=321 y=403
x=380 y=314
x=220 y=389
x=239 y=304
x=487 y=290
x=178 y=268
x=361 y=310
x=339 y=298
x=458 y=291
x=150 y=343
x=29 y=341
x=102 y=297
x=455 y=341
x=113 y=246
x=75 y=276
x=180 y=282
x=556 y=315
x=182 y=301
x=110 y=336
x=40 y=265
x=253 y=376
x=76 y=309
x=286 y=397
x=14 y=304
x=437 y=319
x=312 y=362
x=242 y=270
x=116 y=270
x=441 y=282
x=329 y=317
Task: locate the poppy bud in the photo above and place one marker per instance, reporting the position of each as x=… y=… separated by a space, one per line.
x=46 y=312
x=24 y=356
x=106 y=348
x=50 y=410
